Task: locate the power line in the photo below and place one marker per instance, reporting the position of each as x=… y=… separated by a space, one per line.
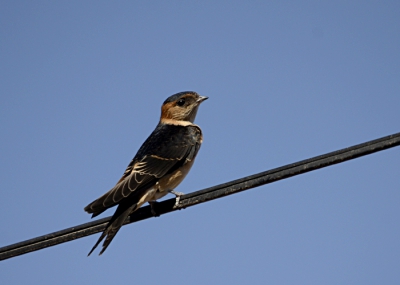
x=205 y=195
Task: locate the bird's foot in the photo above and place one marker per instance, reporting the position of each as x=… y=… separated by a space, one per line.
x=152 y=207
x=178 y=197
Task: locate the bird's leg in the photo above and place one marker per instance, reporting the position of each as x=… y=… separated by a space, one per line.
x=177 y=195
x=152 y=207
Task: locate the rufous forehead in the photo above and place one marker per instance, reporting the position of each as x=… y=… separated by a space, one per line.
x=173 y=103
x=188 y=96
x=177 y=96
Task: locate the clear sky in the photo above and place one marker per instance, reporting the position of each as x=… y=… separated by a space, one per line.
x=82 y=83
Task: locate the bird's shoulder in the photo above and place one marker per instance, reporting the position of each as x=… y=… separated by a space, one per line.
x=167 y=142
x=167 y=139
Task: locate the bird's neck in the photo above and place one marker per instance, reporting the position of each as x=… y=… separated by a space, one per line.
x=175 y=122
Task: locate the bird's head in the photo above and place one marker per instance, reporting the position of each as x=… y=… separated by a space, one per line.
x=181 y=106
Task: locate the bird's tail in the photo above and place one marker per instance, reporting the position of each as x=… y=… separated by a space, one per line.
x=113 y=226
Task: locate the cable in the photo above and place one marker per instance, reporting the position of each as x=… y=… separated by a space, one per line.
x=205 y=195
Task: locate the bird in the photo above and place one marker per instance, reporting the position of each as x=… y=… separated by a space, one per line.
x=159 y=166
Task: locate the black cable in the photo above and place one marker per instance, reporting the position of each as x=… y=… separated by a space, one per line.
x=205 y=195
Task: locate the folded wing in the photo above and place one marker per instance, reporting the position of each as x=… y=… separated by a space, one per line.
x=167 y=148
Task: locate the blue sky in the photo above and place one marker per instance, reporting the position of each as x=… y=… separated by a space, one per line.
x=82 y=83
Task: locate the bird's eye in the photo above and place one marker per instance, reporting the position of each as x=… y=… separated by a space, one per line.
x=181 y=102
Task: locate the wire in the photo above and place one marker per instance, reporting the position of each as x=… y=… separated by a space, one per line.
x=205 y=195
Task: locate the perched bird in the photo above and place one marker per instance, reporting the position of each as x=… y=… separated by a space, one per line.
x=161 y=163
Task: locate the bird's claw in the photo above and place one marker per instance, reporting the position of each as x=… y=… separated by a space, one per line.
x=178 y=197
x=153 y=210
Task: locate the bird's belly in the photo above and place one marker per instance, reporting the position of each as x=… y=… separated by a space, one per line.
x=171 y=181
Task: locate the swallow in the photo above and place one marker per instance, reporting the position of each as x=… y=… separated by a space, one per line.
x=159 y=166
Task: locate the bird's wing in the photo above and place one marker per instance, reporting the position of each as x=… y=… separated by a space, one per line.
x=166 y=149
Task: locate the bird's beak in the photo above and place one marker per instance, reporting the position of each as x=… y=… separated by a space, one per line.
x=201 y=99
